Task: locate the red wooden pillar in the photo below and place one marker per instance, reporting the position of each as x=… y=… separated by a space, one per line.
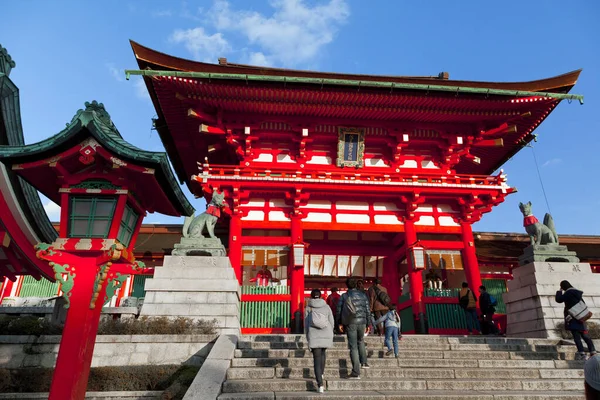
x=471 y=265
x=296 y=277
x=415 y=278
x=235 y=245
x=391 y=277
x=72 y=369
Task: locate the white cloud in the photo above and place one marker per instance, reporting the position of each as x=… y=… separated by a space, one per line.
x=53 y=211
x=203 y=46
x=294 y=34
x=115 y=72
x=552 y=161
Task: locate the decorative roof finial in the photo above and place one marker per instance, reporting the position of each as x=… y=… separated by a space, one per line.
x=6 y=61
x=100 y=111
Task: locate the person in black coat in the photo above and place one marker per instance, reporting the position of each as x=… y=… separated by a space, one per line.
x=487 y=313
x=571 y=296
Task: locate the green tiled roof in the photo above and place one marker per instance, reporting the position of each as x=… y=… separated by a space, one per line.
x=11 y=133
x=96 y=120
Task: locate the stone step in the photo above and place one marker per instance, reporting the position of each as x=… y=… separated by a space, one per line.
x=407 y=395
x=394 y=373
x=405 y=353
x=374 y=344
x=409 y=363
x=422 y=339
x=261 y=385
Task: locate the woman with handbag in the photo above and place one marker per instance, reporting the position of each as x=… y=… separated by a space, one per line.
x=572 y=298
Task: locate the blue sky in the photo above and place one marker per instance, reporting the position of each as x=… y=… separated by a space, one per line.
x=69 y=52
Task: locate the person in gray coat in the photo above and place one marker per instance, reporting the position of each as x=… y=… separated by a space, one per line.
x=318 y=326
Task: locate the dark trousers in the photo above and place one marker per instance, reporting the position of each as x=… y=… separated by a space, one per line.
x=472 y=321
x=356 y=344
x=319 y=363
x=577 y=335
x=379 y=314
x=487 y=324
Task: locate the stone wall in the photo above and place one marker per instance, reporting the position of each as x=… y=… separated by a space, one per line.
x=530 y=301
x=110 y=350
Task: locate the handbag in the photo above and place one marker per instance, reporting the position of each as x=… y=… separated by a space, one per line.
x=580 y=312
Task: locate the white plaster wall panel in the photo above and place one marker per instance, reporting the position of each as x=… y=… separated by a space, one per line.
x=353 y=218
x=352 y=205
x=255 y=203
x=387 y=220
x=385 y=207
x=446 y=208
x=447 y=221
x=429 y=164
x=278 y=216
x=284 y=158
x=409 y=164
x=317 y=217
x=321 y=160
x=374 y=162
x=306 y=264
x=277 y=203
x=427 y=220
x=264 y=157
x=254 y=215
x=324 y=204
x=424 y=208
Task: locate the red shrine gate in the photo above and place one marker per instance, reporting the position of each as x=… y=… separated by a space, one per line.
x=360 y=168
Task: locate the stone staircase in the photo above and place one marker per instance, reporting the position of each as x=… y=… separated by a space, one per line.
x=428 y=367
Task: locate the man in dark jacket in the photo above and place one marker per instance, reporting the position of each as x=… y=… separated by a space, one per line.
x=571 y=296
x=487 y=313
x=355 y=326
x=377 y=307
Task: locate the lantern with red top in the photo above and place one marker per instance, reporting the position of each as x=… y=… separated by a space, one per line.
x=104 y=186
x=417 y=256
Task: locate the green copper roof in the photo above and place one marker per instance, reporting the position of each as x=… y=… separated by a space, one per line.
x=11 y=133
x=346 y=82
x=96 y=120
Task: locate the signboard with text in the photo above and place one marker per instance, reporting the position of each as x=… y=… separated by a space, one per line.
x=351 y=147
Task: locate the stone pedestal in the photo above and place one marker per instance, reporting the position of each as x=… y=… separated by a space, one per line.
x=195 y=287
x=530 y=306
x=547 y=253
x=199 y=247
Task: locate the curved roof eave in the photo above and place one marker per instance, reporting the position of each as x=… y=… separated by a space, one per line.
x=148 y=58
x=111 y=138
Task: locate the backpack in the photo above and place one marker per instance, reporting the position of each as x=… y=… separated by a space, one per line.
x=493 y=301
x=382 y=296
x=464 y=300
x=318 y=320
x=348 y=311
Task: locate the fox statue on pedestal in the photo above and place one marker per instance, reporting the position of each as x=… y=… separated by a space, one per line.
x=539 y=234
x=194 y=226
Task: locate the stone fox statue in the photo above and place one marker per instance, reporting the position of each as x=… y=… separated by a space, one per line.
x=538 y=233
x=194 y=226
